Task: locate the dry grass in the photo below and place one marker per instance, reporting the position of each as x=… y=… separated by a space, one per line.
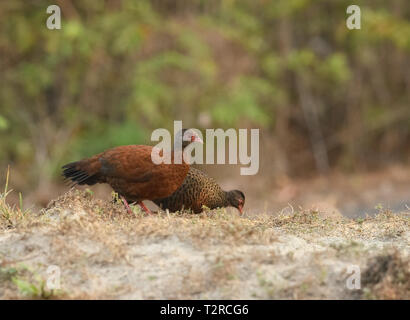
x=104 y=252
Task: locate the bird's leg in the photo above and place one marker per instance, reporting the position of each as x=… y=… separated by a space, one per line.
x=126 y=205
x=142 y=205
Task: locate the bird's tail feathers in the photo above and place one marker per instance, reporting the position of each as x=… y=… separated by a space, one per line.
x=79 y=173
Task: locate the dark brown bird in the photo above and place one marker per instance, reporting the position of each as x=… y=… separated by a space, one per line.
x=197 y=190
x=130 y=171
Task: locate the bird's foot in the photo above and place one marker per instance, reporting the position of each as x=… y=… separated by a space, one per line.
x=127 y=206
x=142 y=205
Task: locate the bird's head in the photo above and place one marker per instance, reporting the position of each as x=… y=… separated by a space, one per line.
x=187 y=136
x=236 y=199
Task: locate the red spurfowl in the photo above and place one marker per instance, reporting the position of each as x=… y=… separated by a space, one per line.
x=199 y=190
x=130 y=171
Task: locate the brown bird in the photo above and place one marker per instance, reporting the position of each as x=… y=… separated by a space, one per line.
x=197 y=190
x=130 y=171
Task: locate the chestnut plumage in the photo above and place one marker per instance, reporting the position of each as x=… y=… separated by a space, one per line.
x=130 y=171
x=198 y=190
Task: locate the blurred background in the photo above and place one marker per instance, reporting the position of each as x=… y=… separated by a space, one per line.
x=332 y=104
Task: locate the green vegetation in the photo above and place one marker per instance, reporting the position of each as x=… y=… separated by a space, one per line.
x=118 y=69
x=10 y=213
x=29 y=283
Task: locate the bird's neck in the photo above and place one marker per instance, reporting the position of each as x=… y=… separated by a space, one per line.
x=224 y=196
x=177 y=152
x=179 y=157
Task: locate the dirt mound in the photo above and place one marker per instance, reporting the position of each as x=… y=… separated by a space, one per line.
x=101 y=251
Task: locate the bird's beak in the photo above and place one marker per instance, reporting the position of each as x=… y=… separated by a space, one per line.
x=240 y=208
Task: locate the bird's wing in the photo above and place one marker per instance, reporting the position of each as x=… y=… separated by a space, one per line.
x=131 y=163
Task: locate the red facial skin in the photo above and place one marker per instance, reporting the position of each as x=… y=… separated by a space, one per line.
x=196 y=138
x=240 y=207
